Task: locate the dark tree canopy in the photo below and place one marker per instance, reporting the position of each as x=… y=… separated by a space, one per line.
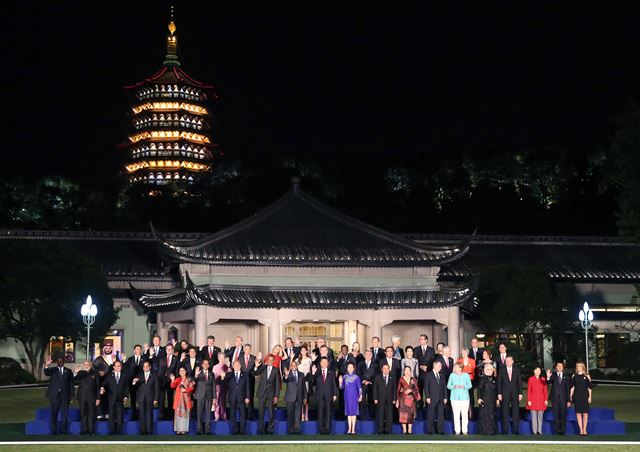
x=42 y=287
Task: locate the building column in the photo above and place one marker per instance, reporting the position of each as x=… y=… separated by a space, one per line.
x=200 y=320
x=376 y=326
x=162 y=328
x=275 y=336
x=453 y=332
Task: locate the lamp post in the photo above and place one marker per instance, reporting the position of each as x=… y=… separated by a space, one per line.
x=89 y=312
x=586 y=317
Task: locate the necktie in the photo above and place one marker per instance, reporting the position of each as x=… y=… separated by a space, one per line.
x=268 y=372
x=560 y=377
x=502 y=357
x=117 y=377
x=386 y=380
x=137 y=360
x=236 y=353
x=61 y=371
x=206 y=375
x=169 y=361
x=509 y=372
x=438 y=377
x=246 y=361
x=367 y=365
x=295 y=374
x=324 y=375
x=424 y=351
x=237 y=377
x=146 y=377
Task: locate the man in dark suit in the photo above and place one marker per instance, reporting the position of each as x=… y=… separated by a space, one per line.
x=367 y=371
x=116 y=386
x=377 y=350
x=510 y=395
x=295 y=396
x=559 y=396
x=268 y=392
x=248 y=365
x=234 y=352
x=291 y=352
x=59 y=392
x=133 y=367
x=148 y=392
x=394 y=364
x=87 y=395
x=237 y=384
x=210 y=351
x=435 y=389
x=166 y=366
x=324 y=352
x=425 y=356
x=155 y=353
x=384 y=398
x=103 y=365
x=475 y=352
x=326 y=392
x=501 y=359
x=190 y=362
x=205 y=395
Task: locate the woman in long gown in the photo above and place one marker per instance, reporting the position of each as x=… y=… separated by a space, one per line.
x=487 y=396
x=408 y=397
x=581 y=396
x=220 y=412
x=352 y=387
x=182 y=403
x=410 y=361
x=304 y=367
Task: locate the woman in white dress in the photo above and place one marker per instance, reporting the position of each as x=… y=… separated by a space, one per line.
x=304 y=366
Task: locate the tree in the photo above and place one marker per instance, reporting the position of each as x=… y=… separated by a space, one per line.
x=522 y=299
x=42 y=286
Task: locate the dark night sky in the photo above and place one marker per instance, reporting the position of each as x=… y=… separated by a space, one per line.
x=319 y=78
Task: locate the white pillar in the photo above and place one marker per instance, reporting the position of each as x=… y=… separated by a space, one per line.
x=453 y=332
x=274 y=330
x=200 y=321
x=163 y=330
x=376 y=327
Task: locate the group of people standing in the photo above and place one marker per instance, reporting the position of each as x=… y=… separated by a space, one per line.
x=390 y=383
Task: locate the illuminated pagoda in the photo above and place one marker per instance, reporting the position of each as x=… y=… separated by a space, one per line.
x=171 y=140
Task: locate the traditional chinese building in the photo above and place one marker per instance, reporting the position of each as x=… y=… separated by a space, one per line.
x=301 y=268
x=170 y=139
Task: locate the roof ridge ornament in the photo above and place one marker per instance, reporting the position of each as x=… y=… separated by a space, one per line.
x=172 y=59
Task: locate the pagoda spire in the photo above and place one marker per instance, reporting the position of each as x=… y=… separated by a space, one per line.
x=172 y=59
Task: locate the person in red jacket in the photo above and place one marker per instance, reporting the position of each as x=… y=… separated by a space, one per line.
x=537 y=399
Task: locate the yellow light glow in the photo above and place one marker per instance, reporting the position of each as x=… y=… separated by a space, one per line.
x=156 y=135
x=166 y=164
x=170 y=106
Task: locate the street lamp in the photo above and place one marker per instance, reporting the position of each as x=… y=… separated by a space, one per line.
x=586 y=317
x=89 y=312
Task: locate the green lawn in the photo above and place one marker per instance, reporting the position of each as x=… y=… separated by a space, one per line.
x=338 y=447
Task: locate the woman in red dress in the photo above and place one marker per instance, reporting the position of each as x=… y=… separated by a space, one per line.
x=182 y=403
x=408 y=397
x=537 y=399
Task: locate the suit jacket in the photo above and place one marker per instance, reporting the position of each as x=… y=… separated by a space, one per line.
x=213 y=359
x=165 y=370
x=60 y=385
x=252 y=364
x=400 y=350
x=130 y=366
x=476 y=356
x=367 y=374
x=88 y=388
x=116 y=392
x=424 y=359
x=149 y=391
x=205 y=388
x=239 y=390
x=324 y=390
x=560 y=390
x=445 y=370
x=377 y=356
x=295 y=391
x=384 y=393
x=499 y=363
x=268 y=387
x=395 y=369
x=508 y=388
x=341 y=364
x=229 y=352
x=287 y=362
x=155 y=359
x=436 y=391
x=186 y=363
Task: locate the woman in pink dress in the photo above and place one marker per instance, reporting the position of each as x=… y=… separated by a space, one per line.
x=220 y=412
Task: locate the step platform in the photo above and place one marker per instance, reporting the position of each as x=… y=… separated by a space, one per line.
x=601 y=422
